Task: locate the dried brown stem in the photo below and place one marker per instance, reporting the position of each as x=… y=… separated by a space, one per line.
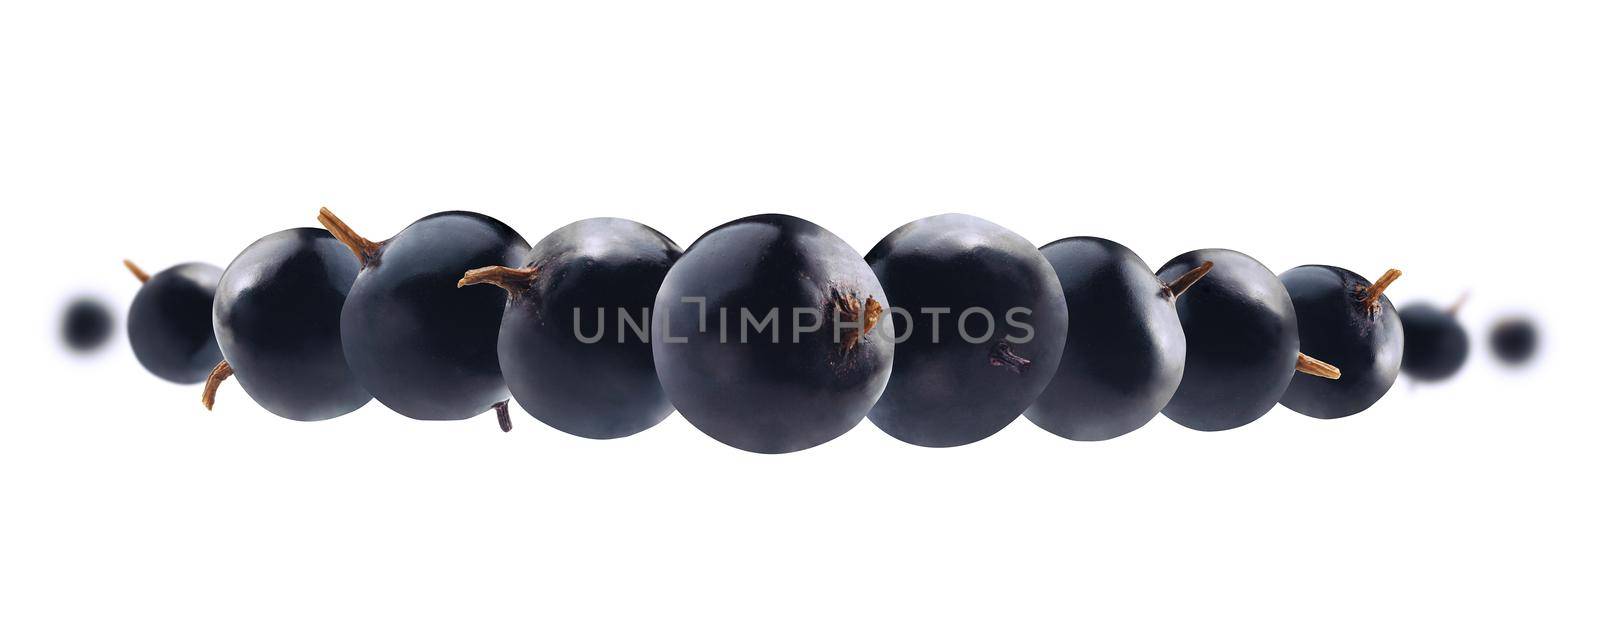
x=502 y=412
x=366 y=250
x=137 y=272
x=852 y=310
x=1374 y=297
x=1312 y=366
x=514 y=281
x=1183 y=282
x=222 y=372
x=1460 y=302
x=873 y=312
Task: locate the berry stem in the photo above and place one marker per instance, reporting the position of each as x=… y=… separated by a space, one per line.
x=1460 y=302
x=1001 y=355
x=852 y=310
x=366 y=250
x=1312 y=366
x=1183 y=282
x=514 y=281
x=1374 y=297
x=137 y=272
x=222 y=372
x=502 y=412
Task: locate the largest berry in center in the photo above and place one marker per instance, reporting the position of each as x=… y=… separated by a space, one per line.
x=770 y=334
x=983 y=323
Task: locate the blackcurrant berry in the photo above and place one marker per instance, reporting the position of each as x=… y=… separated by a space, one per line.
x=86 y=325
x=414 y=341
x=1242 y=345
x=1436 y=344
x=276 y=316
x=981 y=324
x=169 y=322
x=1346 y=319
x=1125 y=352
x=1514 y=340
x=770 y=335
x=575 y=338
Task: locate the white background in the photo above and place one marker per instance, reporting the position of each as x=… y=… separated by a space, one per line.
x=1455 y=140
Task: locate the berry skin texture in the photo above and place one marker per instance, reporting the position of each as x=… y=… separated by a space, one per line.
x=276 y=316
x=86 y=325
x=1241 y=341
x=169 y=322
x=1436 y=343
x=595 y=379
x=948 y=388
x=1514 y=340
x=1124 y=355
x=416 y=342
x=1341 y=320
x=802 y=380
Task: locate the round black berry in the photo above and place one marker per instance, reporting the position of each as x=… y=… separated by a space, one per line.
x=416 y=342
x=1124 y=356
x=1436 y=345
x=86 y=325
x=770 y=335
x=1514 y=340
x=980 y=321
x=1346 y=319
x=169 y=322
x=276 y=316
x=575 y=338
